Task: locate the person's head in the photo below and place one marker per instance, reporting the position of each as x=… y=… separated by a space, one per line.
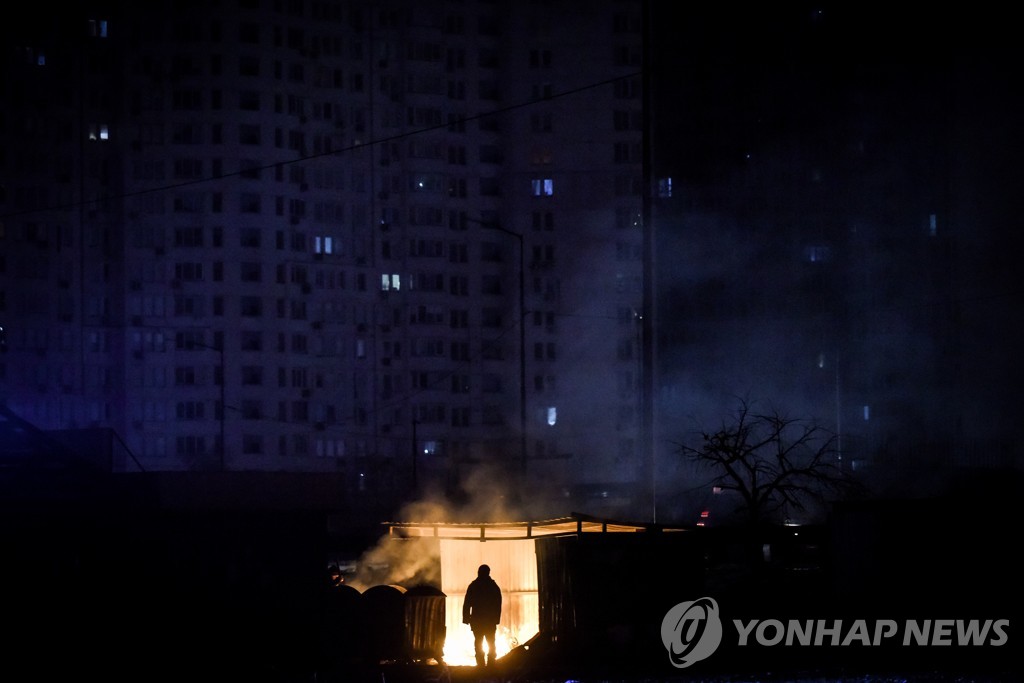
x=484 y=570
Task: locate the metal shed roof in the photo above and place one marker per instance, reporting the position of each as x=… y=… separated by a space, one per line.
x=487 y=531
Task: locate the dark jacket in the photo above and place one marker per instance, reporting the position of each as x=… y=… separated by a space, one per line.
x=482 y=607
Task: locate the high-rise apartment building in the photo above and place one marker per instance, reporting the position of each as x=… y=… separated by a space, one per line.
x=390 y=239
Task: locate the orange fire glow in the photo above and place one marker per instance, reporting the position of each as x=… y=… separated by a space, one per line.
x=514 y=566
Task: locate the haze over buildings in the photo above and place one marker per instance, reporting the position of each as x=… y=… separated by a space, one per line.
x=839 y=244
x=405 y=241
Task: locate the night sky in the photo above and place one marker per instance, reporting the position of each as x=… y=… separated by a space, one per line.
x=846 y=123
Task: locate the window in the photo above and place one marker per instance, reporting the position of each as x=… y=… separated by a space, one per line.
x=189 y=410
x=665 y=187
x=543 y=220
x=428 y=248
x=491 y=317
x=252 y=409
x=251 y=306
x=816 y=253
x=251 y=272
x=490 y=187
x=189 y=202
x=188 y=169
x=251 y=340
x=460 y=351
x=323 y=244
x=491 y=251
x=540 y=59
x=540 y=155
x=427 y=347
x=249 y=237
x=249 y=134
x=99 y=131
x=626 y=55
x=190 y=445
x=249 y=66
x=627 y=119
x=540 y=122
x=626 y=152
x=541 y=350
x=186 y=99
x=188 y=272
x=458 y=285
x=249 y=203
x=97 y=28
x=188 y=237
x=390 y=281
x=543 y=91
x=249 y=32
x=252 y=375
x=249 y=100
x=543 y=187
x=491 y=284
x=184 y=376
x=628 y=89
x=460 y=417
x=430 y=413
x=248 y=168
x=427 y=315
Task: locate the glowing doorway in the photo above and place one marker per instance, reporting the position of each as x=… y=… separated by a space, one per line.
x=513 y=566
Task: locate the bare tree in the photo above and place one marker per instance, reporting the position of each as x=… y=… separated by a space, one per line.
x=771 y=461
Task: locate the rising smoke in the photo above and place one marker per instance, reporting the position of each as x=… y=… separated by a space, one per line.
x=485 y=497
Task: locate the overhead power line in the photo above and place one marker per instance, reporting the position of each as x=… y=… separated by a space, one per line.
x=309 y=157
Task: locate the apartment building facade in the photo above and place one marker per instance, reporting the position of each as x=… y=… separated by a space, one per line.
x=396 y=240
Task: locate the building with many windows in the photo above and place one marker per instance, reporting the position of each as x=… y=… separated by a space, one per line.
x=392 y=240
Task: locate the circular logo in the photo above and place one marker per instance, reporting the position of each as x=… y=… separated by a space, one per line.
x=691 y=631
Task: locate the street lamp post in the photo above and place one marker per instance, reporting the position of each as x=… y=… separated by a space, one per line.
x=415 y=458
x=522 y=339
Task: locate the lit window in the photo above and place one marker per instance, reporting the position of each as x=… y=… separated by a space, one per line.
x=817 y=253
x=390 y=281
x=552 y=415
x=665 y=187
x=98 y=28
x=543 y=187
x=323 y=245
x=99 y=132
x=867 y=413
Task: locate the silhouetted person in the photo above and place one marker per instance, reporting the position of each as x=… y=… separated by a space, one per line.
x=482 y=611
